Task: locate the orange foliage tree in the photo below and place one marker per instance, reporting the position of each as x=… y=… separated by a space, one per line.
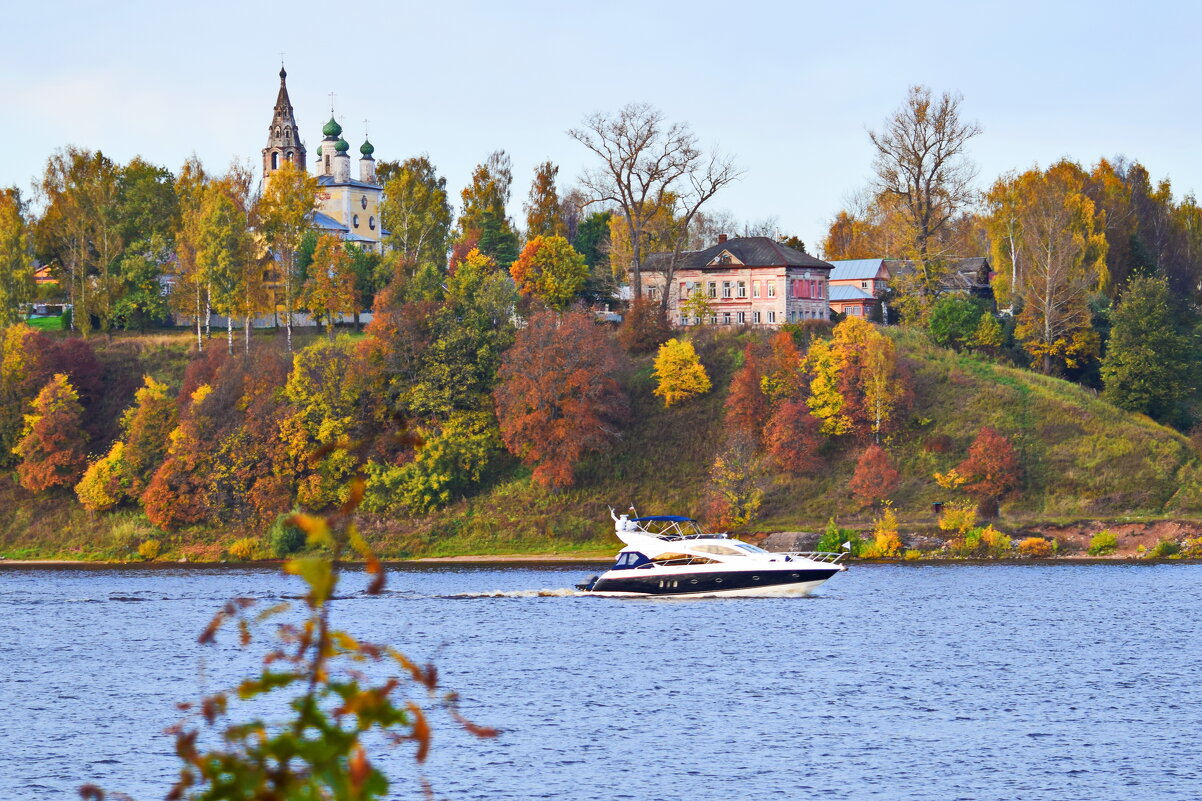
x=178 y=493
x=792 y=438
x=330 y=288
x=559 y=397
x=645 y=327
x=746 y=406
x=875 y=476
x=53 y=441
x=991 y=471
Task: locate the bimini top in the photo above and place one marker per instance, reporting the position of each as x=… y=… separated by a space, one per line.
x=664 y=519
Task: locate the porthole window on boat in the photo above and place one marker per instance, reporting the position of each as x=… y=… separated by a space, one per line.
x=755 y=578
x=692 y=581
x=796 y=576
x=718 y=581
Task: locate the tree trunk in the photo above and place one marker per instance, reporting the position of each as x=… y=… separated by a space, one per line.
x=246 y=333
x=229 y=332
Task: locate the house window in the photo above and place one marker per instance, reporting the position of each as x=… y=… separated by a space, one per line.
x=714 y=319
x=772 y=317
x=755 y=289
x=713 y=290
x=684 y=319
x=652 y=291
x=725 y=318
x=771 y=287
x=741 y=317
x=818 y=289
x=863 y=285
x=726 y=289
x=742 y=289
x=755 y=318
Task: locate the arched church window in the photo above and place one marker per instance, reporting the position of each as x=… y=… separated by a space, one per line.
x=355 y=220
x=275 y=160
x=288 y=155
x=371 y=223
x=327 y=158
x=363 y=201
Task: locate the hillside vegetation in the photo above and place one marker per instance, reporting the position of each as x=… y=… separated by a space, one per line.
x=1082 y=459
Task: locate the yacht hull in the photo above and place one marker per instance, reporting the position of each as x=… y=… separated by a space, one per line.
x=730 y=584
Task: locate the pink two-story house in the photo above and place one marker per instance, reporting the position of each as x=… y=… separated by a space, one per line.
x=751 y=280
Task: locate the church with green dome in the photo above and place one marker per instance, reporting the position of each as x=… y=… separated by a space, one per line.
x=346 y=207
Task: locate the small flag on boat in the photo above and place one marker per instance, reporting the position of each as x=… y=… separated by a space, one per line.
x=847 y=545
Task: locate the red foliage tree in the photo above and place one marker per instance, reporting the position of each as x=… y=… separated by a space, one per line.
x=746 y=407
x=991 y=471
x=559 y=396
x=875 y=476
x=644 y=327
x=792 y=438
x=200 y=371
x=53 y=443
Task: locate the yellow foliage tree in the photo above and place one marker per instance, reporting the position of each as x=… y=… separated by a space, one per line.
x=825 y=400
x=104 y=483
x=679 y=372
x=550 y=269
x=330 y=288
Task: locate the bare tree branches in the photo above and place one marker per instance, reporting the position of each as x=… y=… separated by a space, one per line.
x=649 y=166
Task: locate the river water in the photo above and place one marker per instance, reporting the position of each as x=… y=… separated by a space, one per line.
x=891 y=682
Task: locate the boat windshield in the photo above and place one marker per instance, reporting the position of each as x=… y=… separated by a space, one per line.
x=717 y=549
x=749 y=548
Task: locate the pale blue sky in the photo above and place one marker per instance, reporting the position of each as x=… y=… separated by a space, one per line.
x=790 y=88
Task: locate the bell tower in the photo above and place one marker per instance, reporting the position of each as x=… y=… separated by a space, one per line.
x=283 y=137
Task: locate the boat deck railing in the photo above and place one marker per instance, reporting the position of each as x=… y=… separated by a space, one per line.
x=818 y=556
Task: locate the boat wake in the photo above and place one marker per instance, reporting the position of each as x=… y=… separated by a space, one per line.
x=544 y=593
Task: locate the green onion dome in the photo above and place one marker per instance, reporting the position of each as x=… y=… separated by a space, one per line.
x=332 y=128
x=319 y=151
x=342 y=145
x=367 y=148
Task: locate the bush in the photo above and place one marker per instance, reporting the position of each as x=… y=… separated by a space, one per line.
x=284 y=538
x=1164 y=549
x=912 y=554
x=245 y=549
x=886 y=543
x=1192 y=548
x=958 y=517
x=1035 y=548
x=995 y=542
x=833 y=537
x=1103 y=543
x=149 y=549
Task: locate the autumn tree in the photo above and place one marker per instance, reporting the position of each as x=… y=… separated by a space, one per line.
x=644 y=327
x=329 y=289
x=679 y=373
x=178 y=492
x=747 y=408
x=921 y=162
x=856 y=383
x=283 y=218
x=16 y=262
x=190 y=290
x=551 y=270
x=783 y=378
x=991 y=471
x=559 y=397
x=225 y=257
x=80 y=231
x=148 y=216
x=53 y=442
x=1150 y=363
x=650 y=168
x=792 y=438
x=147 y=426
x=416 y=213
x=1063 y=258
x=875 y=477
x=484 y=223
x=735 y=491
x=543 y=213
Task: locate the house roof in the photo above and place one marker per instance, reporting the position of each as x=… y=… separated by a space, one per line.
x=753 y=251
x=856 y=269
x=328 y=180
x=326 y=222
x=849 y=293
x=965 y=274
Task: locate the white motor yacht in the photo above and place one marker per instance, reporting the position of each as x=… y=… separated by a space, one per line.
x=671 y=555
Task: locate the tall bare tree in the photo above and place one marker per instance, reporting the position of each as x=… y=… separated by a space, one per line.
x=921 y=161
x=649 y=166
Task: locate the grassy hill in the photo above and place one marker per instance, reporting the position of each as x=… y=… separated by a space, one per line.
x=1083 y=460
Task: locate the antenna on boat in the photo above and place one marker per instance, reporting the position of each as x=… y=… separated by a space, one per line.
x=632 y=511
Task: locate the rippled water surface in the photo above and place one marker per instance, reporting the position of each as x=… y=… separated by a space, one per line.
x=958 y=682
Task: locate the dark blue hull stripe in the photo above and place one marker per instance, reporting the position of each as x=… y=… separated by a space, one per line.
x=681 y=583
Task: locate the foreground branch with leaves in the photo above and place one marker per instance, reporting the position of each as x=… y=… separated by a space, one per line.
x=325 y=677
